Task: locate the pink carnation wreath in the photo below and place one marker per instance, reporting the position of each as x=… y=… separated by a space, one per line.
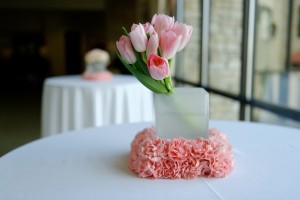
x=153 y=157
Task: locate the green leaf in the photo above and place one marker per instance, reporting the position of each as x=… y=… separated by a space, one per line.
x=169 y=85
x=147 y=81
x=125 y=31
x=141 y=64
x=150 y=83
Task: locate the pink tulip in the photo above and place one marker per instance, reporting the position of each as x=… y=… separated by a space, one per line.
x=147 y=27
x=158 y=67
x=169 y=43
x=125 y=49
x=161 y=22
x=152 y=44
x=185 y=31
x=139 y=38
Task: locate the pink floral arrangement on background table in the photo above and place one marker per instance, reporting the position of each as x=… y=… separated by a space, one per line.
x=96 y=61
x=147 y=51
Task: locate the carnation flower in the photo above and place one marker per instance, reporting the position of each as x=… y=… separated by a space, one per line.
x=179 y=149
x=153 y=149
x=153 y=157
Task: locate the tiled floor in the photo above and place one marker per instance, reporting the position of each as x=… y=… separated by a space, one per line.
x=19 y=118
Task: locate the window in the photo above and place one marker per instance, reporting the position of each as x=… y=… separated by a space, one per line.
x=247 y=55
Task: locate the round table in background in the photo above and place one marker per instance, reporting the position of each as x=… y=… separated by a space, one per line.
x=72 y=103
x=92 y=164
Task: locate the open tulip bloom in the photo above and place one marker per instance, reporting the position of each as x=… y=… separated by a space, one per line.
x=148 y=49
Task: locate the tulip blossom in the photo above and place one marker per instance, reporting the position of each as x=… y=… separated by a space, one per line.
x=158 y=67
x=152 y=44
x=139 y=38
x=125 y=49
x=169 y=43
x=147 y=50
x=147 y=27
x=185 y=31
x=161 y=22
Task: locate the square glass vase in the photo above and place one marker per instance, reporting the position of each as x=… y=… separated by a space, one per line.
x=184 y=113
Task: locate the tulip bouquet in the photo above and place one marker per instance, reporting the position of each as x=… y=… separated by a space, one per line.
x=148 y=49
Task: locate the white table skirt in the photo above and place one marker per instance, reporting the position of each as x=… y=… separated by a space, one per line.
x=91 y=164
x=71 y=103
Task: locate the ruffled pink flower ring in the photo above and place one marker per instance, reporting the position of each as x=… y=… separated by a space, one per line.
x=153 y=157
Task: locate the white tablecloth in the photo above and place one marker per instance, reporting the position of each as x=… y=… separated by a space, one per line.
x=71 y=103
x=91 y=164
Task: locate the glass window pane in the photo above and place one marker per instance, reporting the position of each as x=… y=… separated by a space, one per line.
x=225 y=45
x=295 y=36
x=270 y=52
x=279 y=88
x=223 y=108
x=294 y=68
x=260 y=115
x=274 y=82
x=187 y=65
x=271 y=35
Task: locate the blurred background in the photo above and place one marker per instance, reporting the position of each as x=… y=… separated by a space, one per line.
x=245 y=53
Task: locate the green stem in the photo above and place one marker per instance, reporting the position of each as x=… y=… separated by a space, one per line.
x=170 y=61
x=169 y=85
x=159 y=51
x=144 y=57
x=168 y=80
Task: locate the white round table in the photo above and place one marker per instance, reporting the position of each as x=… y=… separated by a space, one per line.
x=72 y=103
x=91 y=164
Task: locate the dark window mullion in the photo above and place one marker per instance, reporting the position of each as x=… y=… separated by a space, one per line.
x=244 y=58
x=205 y=27
x=246 y=89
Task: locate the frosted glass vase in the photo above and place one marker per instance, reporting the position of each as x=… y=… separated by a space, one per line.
x=184 y=113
